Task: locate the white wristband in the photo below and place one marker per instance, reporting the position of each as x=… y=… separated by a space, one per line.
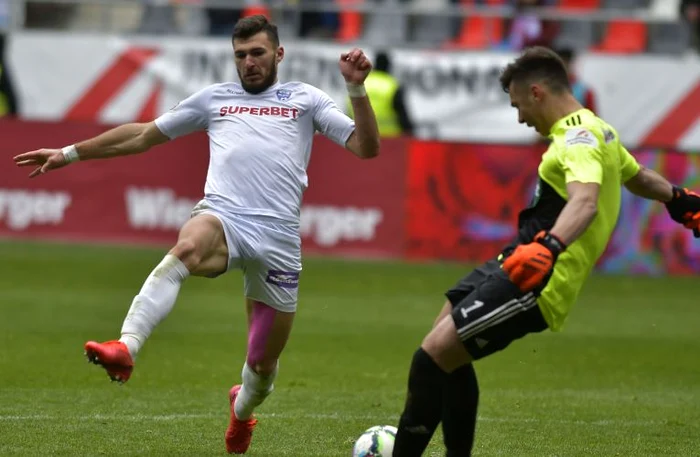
x=356 y=90
x=70 y=153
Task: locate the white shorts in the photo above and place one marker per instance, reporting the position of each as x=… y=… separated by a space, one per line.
x=268 y=253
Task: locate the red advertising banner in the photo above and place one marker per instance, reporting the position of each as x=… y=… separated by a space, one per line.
x=352 y=206
x=465 y=198
x=139 y=199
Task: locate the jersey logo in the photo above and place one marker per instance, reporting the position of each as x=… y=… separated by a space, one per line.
x=580 y=136
x=481 y=342
x=283 y=94
x=292 y=113
x=573 y=121
x=284 y=279
x=608 y=135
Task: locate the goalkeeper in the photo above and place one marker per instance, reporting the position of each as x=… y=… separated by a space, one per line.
x=534 y=282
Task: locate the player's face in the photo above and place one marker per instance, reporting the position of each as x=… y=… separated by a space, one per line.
x=256 y=62
x=523 y=97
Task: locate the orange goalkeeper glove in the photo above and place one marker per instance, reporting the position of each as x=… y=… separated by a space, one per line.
x=684 y=208
x=529 y=265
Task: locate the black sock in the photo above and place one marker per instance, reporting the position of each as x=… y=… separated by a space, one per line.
x=421 y=415
x=459 y=404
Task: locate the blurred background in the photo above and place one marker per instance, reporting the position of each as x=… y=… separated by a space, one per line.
x=456 y=166
x=454 y=170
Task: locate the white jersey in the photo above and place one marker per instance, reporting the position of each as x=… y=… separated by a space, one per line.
x=260 y=144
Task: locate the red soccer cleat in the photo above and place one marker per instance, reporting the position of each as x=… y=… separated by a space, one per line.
x=238 y=433
x=113 y=356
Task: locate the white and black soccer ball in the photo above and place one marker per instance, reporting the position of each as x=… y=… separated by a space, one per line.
x=377 y=441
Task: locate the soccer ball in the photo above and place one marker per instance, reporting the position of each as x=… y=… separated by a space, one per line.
x=377 y=441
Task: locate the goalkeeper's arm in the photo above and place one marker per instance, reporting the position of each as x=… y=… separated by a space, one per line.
x=683 y=205
x=650 y=185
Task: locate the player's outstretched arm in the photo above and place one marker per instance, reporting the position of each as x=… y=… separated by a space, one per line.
x=364 y=141
x=683 y=205
x=650 y=185
x=119 y=141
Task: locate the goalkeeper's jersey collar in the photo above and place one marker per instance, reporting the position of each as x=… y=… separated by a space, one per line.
x=574 y=119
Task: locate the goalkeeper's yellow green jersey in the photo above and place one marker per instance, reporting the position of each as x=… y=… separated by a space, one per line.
x=586 y=149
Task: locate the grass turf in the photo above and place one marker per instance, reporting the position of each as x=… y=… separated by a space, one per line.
x=623 y=379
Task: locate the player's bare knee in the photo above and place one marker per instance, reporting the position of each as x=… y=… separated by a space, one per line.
x=186 y=251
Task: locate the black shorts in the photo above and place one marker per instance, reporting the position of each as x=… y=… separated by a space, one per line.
x=490 y=312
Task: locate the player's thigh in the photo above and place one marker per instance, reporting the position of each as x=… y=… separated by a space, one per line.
x=464 y=287
x=468 y=283
x=444 y=346
x=494 y=315
x=201 y=245
x=272 y=277
x=444 y=312
x=443 y=343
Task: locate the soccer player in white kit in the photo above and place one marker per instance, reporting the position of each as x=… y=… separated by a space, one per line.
x=260 y=135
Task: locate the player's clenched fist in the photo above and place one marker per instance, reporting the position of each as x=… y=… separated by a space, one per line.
x=684 y=208
x=43 y=159
x=355 y=66
x=530 y=263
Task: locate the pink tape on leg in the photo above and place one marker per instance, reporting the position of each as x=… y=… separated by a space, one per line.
x=260 y=328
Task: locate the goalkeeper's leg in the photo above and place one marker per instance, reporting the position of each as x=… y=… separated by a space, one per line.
x=488 y=313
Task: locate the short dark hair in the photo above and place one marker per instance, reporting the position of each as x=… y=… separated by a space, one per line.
x=252 y=25
x=566 y=54
x=537 y=64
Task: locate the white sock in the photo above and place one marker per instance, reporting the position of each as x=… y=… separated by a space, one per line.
x=153 y=303
x=254 y=391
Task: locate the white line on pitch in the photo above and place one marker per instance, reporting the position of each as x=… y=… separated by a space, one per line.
x=320 y=416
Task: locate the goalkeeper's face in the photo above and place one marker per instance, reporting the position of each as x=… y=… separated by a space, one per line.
x=256 y=62
x=527 y=98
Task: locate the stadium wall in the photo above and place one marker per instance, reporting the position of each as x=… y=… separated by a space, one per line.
x=418 y=200
x=653 y=100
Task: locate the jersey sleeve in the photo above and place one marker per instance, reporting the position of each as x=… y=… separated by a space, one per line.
x=330 y=120
x=629 y=167
x=582 y=157
x=188 y=116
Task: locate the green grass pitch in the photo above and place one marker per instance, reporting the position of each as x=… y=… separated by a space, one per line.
x=622 y=379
